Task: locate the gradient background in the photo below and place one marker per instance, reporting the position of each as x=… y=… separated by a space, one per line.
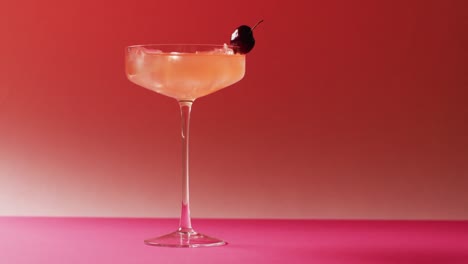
x=349 y=109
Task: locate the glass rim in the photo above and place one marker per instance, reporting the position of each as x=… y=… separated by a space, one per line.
x=179 y=45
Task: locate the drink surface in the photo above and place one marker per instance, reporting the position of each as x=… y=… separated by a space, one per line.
x=184 y=76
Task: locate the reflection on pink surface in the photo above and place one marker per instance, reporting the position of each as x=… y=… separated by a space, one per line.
x=93 y=240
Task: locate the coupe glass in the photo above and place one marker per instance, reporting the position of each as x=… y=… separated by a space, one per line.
x=185 y=73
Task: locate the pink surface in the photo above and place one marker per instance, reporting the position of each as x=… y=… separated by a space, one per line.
x=98 y=240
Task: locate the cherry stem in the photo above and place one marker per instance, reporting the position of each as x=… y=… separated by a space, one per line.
x=257 y=24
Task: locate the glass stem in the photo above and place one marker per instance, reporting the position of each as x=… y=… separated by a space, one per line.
x=185 y=224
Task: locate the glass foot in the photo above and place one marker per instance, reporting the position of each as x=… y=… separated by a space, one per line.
x=184 y=239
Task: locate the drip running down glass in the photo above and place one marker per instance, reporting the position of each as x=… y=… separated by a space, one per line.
x=184 y=72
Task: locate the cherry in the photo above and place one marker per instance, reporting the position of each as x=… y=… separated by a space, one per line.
x=242 y=39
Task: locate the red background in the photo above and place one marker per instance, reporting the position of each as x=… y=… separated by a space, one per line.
x=349 y=109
